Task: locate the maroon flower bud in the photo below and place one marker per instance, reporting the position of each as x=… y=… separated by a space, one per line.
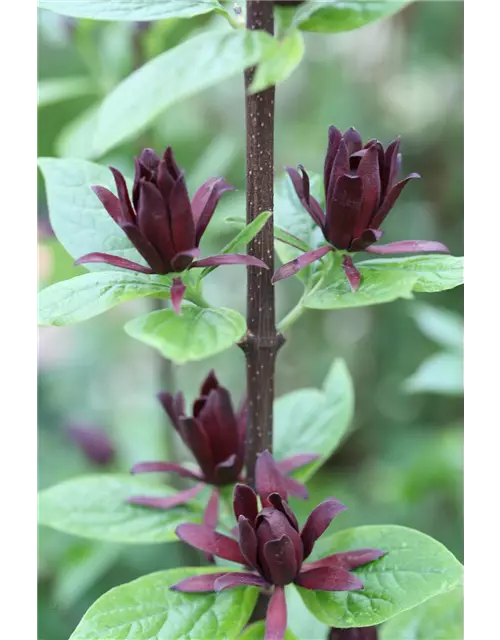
x=273 y=548
x=215 y=434
x=93 y=442
x=160 y=221
x=360 y=189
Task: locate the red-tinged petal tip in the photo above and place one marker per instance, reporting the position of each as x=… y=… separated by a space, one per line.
x=318 y=521
x=115 y=261
x=268 y=478
x=168 y=502
x=230 y=258
x=352 y=273
x=197 y=584
x=177 y=291
x=329 y=579
x=231 y=580
x=294 y=266
x=276 y=618
x=209 y=541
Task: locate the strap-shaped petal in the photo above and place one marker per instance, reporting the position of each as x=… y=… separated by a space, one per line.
x=206 y=539
x=205 y=201
x=343 y=210
x=115 y=261
x=328 y=579
x=318 y=521
x=276 y=615
x=165 y=467
x=235 y=579
x=294 y=266
x=198 y=584
x=352 y=273
x=156 y=502
x=408 y=246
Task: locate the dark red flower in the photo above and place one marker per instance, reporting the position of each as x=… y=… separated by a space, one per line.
x=215 y=434
x=360 y=189
x=160 y=221
x=273 y=548
x=94 y=442
x=354 y=633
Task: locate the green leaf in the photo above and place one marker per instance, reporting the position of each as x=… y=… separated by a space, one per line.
x=279 y=63
x=196 y=333
x=290 y=215
x=96 y=507
x=240 y=242
x=335 y=16
x=53 y=90
x=75 y=138
x=279 y=233
x=185 y=70
x=377 y=286
x=91 y=294
x=80 y=222
x=434 y=272
x=257 y=631
x=130 y=9
x=442 y=373
x=81 y=566
x=440 y=325
x=440 y=618
x=415 y=569
x=314 y=421
x=146 y=609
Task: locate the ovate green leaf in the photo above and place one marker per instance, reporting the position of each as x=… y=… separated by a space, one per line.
x=333 y=16
x=279 y=63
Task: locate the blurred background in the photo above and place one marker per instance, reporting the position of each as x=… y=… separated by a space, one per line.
x=402 y=462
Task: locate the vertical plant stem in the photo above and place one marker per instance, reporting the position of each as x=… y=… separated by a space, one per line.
x=262 y=341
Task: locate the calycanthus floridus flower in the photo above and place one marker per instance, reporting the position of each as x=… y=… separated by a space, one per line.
x=161 y=222
x=360 y=189
x=273 y=548
x=215 y=434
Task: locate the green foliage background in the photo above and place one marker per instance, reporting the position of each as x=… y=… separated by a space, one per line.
x=402 y=462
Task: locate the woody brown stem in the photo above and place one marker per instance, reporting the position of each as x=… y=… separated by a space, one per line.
x=262 y=341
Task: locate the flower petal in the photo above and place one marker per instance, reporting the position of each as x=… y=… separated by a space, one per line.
x=210 y=517
x=368 y=237
x=278 y=503
x=318 y=521
x=211 y=513
x=353 y=140
x=196 y=584
x=293 y=267
x=247 y=540
x=295 y=488
x=334 y=138
x=352 y=273
x=328 y=579
x=219 y=423
x=115 y=261
x=346 y=559
x=145 y=248
x=155 y=502
x=390 y=200
x=268 y=478
x=281 y=560
x=310 y=204
x=230 y=258
x=173 y=405
x=194 y=436
x=245 y=502
x=227 y=471
x=206 y=539
x=150 y=159
x=235 y=579
x=205 y=201
x=408 y=246
x=183 y=259
x=177 y=291
x=128 y=214
x=153 y=222
x=110 y=202
x=93 y=442
x=276 y=615
x=181 y=217
x=389 y=168
x=340 y=167
x=210 y=382
x=295 y=462
x=369 y=173
x=354 y=633
x=165 y=467
x=343 y=210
